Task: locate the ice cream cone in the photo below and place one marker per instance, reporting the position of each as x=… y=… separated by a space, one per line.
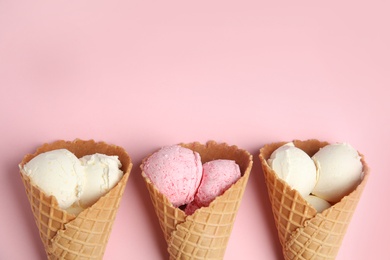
x=85 y=236
x=204 y=234
x=304 y=233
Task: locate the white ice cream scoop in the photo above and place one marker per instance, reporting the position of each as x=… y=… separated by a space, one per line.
x=295 y=167
x=75 y=183
x=318 y=203
x=101 y=172
x=57 y=173
x=339 y=170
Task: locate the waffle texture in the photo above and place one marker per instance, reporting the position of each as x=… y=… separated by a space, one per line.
x=85 y=236
x=303 y=233
x=204 y=234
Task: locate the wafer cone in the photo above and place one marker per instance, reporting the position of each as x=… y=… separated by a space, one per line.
x=85 y=236
x=204 y=234
x=304 y=233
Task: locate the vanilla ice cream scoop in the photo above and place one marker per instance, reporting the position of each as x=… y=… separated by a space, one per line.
x=318 y=203
x=339 y=170
x=57 y=173
x=295 y=167
x=101 y=173
x=75 y=183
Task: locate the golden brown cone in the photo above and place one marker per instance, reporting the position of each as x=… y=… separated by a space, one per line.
x=85 y=236
x=204 y=234
x=304 y=233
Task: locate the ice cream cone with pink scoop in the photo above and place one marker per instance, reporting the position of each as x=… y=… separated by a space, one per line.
x=196 y=190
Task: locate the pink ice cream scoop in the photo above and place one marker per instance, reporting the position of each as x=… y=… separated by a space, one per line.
x=218 y=176
x=176 y=172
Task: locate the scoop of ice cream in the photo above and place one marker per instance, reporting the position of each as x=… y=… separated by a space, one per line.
x=191 y=207
x=295 y=167
x=101 y=173
x=318 y=203
x=218 y=176
x=176 y=172
x=339 y=170
x=57 y=173
x=75 y=183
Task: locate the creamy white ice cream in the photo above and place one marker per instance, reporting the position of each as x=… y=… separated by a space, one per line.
x=75 y=183
x=339 y=170
x=57 y=173
x=102 y=172
x=295 y=167
x=318 y=203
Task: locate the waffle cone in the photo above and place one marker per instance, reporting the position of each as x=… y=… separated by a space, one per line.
x=85 y=236
x=204 y=234
x=304 y=233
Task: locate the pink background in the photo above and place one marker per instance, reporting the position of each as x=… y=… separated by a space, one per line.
x=144 y=74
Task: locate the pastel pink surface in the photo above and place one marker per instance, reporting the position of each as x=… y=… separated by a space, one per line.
x=143 y=75
x=176 y=172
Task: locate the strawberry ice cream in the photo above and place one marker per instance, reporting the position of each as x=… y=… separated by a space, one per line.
x=218 y=176
x=176 y=172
